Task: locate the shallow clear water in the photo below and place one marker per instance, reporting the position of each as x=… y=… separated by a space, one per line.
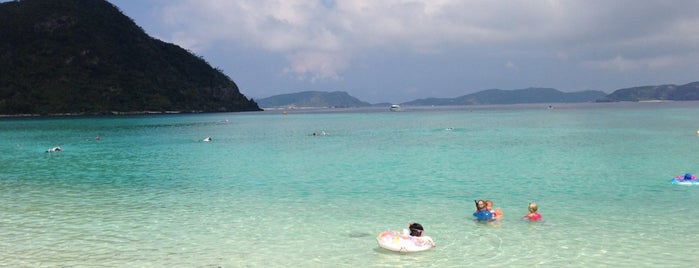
x=266 y=193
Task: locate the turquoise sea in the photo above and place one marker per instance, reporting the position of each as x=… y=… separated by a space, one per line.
x=267 y=193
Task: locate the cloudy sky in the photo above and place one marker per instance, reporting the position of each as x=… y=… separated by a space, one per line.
x=401 y=50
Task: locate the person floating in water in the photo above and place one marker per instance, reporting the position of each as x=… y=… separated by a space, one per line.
x=414 y=229
x=497 y=213
x=480 y=205
x=207 y=139
x=689 y=177
x=482 y=213
x=54 y=149
x=533 y=213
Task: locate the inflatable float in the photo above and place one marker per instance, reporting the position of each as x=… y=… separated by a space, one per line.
x=398 y=242
x=483 y=215
x=497 y=214
x=687 y=179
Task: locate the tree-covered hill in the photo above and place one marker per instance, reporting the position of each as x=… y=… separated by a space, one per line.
x=663 y=92
x=528 y=95
x=337 y=99
x=87 y=57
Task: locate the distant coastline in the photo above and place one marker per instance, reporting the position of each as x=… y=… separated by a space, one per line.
x=662 y=93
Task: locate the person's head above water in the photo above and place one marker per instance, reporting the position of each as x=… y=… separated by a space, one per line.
x=533 y=207
x=480 y=204
x=416 y=229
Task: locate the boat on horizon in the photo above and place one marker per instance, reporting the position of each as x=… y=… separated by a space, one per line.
x=395 y=108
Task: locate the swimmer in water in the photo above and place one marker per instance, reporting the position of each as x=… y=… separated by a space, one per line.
x=54 y=149
x=533 y=212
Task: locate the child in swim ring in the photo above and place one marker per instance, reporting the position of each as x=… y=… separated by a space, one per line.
x=497 y=213
x=482 y=213
x=533 y=214
x=414 y=229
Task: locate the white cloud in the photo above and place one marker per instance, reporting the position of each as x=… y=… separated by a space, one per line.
x=314 y=66
x=623 y=64
x=321 y=38
x=617 y=63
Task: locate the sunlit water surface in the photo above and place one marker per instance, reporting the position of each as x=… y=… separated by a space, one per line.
x=267 y=193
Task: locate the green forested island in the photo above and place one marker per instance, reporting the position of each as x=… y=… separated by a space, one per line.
x=335 y=99
x=495 y=96
x=87 y=57
x=527 y=95
x=684 y=92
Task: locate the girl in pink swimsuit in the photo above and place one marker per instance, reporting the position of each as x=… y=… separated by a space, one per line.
x=533 y=214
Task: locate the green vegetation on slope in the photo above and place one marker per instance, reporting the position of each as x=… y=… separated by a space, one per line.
x=664 y=92
x=86 y=57
x=337 y=99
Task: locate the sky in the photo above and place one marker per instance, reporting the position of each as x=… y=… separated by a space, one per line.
x=401 y=50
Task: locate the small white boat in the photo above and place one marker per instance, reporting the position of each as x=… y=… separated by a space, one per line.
x=207 y=139
x=396 y=108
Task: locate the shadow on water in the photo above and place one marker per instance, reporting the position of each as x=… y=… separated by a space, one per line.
x=359 y=234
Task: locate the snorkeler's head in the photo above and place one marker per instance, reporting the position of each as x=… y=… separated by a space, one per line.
x=480 y=204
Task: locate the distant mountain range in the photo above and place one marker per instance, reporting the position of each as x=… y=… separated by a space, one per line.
x=493 y=96
x=498 y=96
